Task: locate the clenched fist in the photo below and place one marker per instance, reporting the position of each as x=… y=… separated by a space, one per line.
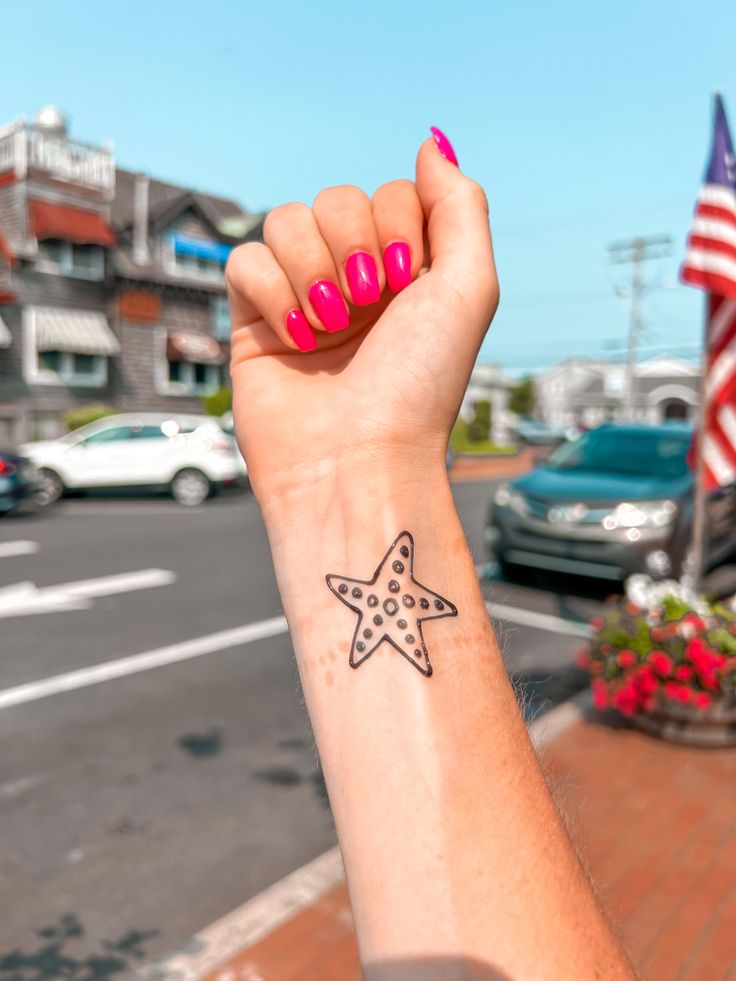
x=357 y=323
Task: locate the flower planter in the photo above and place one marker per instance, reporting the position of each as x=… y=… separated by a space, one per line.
x=677 y=723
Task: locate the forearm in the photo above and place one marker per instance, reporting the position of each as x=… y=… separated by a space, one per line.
x=451 y=841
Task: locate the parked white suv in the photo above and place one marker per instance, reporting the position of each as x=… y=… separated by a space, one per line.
x=191 y=455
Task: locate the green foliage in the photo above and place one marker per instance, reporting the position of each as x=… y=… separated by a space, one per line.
x=219 y=402
x=674 y=608
x=460 y=443
x=479 y=427
x=84 y=414
x=523 y=397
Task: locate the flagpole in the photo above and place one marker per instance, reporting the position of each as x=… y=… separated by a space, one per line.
x=699 y=532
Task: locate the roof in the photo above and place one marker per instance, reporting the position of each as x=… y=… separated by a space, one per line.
x=225 y=215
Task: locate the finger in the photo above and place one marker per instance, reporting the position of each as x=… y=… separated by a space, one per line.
x=457 y=226
x=399 y=221
x=345 y=220
x=259 y=289
x=292 y=234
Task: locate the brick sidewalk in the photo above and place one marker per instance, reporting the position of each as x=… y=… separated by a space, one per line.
x=656 y=825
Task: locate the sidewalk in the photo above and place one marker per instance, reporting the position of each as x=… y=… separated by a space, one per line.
x=656 y=825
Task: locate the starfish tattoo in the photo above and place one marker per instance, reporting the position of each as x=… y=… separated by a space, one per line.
x=392 y=607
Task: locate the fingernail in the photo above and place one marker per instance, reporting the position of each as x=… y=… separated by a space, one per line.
x=443 y=145
x=302 y=334
x=362 y=275
x=329 y=305
x=397 y=263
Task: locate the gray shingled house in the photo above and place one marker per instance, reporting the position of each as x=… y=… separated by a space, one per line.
x=111 y=283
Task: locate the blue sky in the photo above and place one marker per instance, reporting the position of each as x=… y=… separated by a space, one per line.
x=586 y=123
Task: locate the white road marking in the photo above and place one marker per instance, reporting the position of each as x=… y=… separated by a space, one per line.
x=27 y=599
x=21 y=547
x=539 y=621
x=96 y=674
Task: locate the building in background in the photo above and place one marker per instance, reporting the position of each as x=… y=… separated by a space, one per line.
x=581 y=392
x=111 y=283
x=488 y=382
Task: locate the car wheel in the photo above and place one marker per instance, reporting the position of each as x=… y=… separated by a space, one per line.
x=50 y=487
x=190 y=487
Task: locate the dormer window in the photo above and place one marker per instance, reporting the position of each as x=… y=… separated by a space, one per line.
x=196 y=258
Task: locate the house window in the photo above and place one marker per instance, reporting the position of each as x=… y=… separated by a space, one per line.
x=197 y=258
x=188 y=378
x=220 y=318
x=71 y=259
x=66 y=368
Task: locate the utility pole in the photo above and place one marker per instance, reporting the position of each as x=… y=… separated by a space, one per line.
x=635 y=252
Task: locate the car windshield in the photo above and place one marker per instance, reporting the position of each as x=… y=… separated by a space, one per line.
x=652 y=453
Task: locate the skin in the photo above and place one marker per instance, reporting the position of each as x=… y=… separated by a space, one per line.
x=457 y=861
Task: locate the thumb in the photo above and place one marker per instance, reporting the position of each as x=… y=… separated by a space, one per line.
x=459 y=236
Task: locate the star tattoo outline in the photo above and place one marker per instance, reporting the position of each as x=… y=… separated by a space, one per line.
x=391 y=607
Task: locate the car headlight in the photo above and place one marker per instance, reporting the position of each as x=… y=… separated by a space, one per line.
x=652 y=514
x=507 y=497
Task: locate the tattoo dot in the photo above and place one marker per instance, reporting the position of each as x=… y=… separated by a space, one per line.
x=401 y=624
x=408 y=600
x=394 y=586
x=360 y=646
x=372 y=600
x=398 y=567
x=404 y=551
x=424 y=603
x=417 y=653
x=378 y=619
x=390 y=606
x=368 y=633
x=409 y=638
x=342 y=588
x=439 y=605
x=357 y=593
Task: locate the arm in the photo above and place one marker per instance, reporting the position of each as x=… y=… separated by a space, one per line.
x=451 y=841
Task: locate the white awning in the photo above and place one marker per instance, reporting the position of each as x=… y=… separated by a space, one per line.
x=76 y=331
x=5 y=337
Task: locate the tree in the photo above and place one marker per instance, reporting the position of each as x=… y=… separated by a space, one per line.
x=479 y=427
x=523 y=397
x=84 y=414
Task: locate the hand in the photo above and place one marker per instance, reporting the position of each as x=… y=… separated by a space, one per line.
x=314 y=395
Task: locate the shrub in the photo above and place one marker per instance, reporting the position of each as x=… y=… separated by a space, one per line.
x=479 y=427
x=219 y=402
x=84 y=414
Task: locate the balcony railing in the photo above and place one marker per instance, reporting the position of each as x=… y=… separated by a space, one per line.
x=24 y=148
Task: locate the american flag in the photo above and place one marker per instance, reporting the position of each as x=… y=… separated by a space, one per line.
x=710 y=263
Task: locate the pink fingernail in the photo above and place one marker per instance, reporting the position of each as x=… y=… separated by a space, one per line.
x=362 y=275
x=397 y=263
x=443 y=145
x=298 y=326
x=329 y=305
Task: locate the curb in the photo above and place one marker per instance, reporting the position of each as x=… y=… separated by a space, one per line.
x=222 y=940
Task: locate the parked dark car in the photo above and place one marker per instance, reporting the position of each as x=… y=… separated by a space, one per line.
x=19 y=482
x=615 y=501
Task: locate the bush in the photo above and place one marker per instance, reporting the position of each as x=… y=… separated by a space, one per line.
x=523 y=397
x=219 y=402
x=84 y=414
x=479 y=427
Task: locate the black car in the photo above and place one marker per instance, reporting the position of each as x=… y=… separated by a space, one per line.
x=19 y=482
x=616 y=501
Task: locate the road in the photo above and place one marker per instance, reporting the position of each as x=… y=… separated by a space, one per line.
x=156 y=767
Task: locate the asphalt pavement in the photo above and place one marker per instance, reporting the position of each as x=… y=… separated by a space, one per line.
x=157 y=768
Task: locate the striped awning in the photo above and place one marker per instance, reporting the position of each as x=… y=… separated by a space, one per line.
x=5 y=337
x=76 y=331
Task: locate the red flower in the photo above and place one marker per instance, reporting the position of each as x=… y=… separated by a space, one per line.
x=683 y=672
x=597 y=623
x=678 y=693
x=646 y=681
x=626 y=658
x=658 y=634
x=701 y=700
x=596 y=667
x=694 y=621
x=660 y=662
x=626 y=700
x=600 y=693
x=632 y=609
x=582 y=658
x=605 y=648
